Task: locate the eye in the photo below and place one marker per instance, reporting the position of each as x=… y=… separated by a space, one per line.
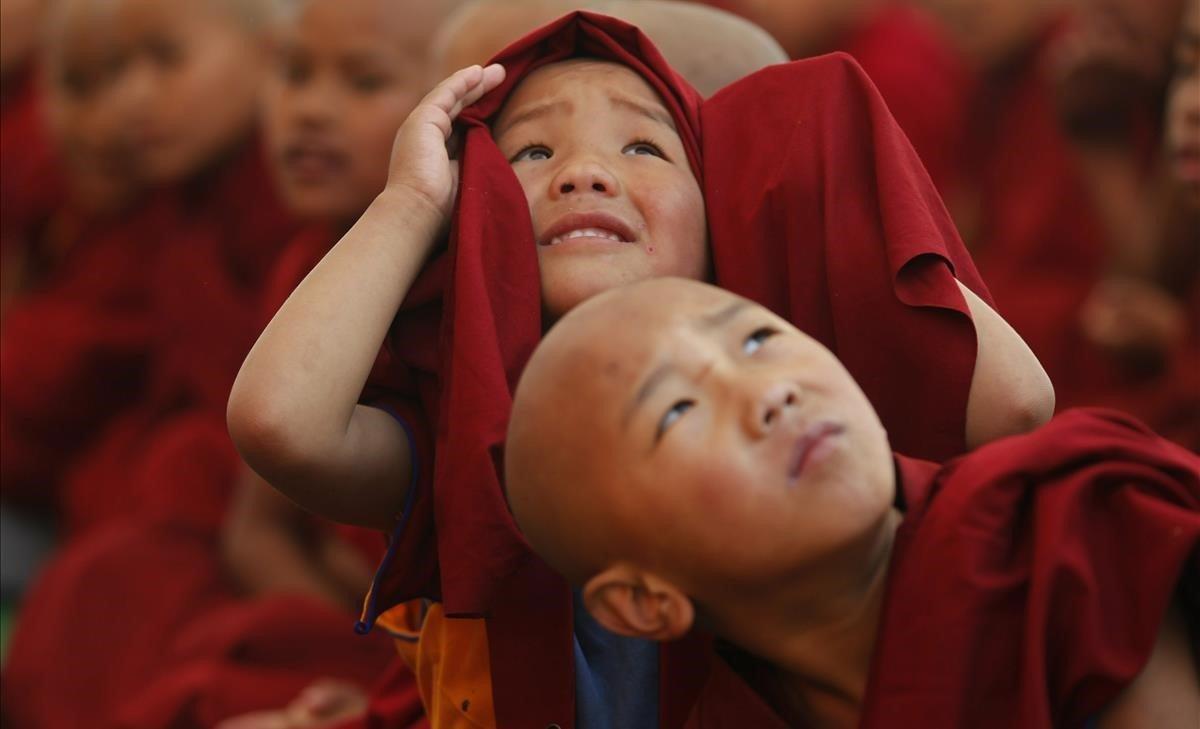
x=532 y=153
x=757 y=338
x=164 y=52
x=295 y=72
x=644 y=147
x=368 y=82
x=673 y=414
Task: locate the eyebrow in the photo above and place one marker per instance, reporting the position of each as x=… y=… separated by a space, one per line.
x=650 y=112
x=666 y=369
x=660 y=373
x=537 y=111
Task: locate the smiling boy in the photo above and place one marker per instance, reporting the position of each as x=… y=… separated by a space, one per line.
x=713 y=465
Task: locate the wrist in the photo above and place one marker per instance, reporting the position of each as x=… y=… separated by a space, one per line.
x=404 y=203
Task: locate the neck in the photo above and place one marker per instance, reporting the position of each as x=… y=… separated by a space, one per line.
x=820 y=637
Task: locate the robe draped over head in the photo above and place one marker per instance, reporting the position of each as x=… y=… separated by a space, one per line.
x=817 y=207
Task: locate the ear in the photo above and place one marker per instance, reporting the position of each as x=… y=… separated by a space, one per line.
x=630 y=602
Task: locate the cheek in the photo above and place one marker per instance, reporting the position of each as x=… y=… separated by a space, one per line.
x=370 y=130
x=678 y=230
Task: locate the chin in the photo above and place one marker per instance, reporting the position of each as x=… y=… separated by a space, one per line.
x=566 y=284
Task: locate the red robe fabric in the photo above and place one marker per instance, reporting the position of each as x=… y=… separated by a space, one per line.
x=157 y=633
x=1028 y=581
x=1043 y=250
x=924 y=82
x=817 y=207
x=31 y=185
x=76 y=350
x=207 y=278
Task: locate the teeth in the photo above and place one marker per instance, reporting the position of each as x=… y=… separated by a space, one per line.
x=587 y=233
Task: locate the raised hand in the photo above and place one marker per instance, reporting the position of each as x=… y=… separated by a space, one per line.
x=421 y=162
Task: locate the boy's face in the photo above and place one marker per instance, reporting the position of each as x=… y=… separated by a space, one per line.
x=718 y=444
x=80 y=59
x=347 y=73
x=610 y=192
x=189 y=83
x=1183 y=109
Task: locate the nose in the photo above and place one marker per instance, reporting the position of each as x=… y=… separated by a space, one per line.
x=314 y=102
x=132 y=92
x=769 y=404
x=583 y=177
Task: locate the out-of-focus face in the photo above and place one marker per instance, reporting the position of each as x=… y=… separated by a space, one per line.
x=989 y=31
x=19 y=21
x=1183 y=109
x=80 y=63
x=713 y=441
x=1131 y=34
x=611 y=195
x=347 y=73
x=189 y=84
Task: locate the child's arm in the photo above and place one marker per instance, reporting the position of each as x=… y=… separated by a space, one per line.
x=269 y=545
x=1010 y=392
x=294 y=412
x=1166 y=694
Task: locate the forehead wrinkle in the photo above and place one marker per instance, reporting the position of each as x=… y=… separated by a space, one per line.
x=650 y=112
x=537 y=111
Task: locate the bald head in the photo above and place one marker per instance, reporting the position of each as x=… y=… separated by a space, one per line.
x=560 y=473
x=710 y=48
x=676 y=428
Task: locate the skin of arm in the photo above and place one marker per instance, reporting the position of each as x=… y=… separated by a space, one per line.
x=269 y=545
x=1010 y=392
x=293 y=412
x=1166 y=693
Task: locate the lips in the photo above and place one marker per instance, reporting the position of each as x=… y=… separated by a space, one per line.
x=313 y=162
x=590 y=227
x=808 y=446
x=1187 y=163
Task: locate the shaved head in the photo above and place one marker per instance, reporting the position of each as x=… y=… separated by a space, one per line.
x=672 y=427
x=562 y=482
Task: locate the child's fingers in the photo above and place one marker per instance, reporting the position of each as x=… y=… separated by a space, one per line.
x=489 y=79
x=463 y=88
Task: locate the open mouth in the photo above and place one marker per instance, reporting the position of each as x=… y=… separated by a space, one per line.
x=811 y=446
x=593 y=227
x=1187 y=163
x=599 y=233
x=313 y=162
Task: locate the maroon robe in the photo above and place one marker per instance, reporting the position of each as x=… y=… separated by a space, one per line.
x=75 y=351
x=31 y=184
x=157 y=633
x=1027 y=583
x=817 y=207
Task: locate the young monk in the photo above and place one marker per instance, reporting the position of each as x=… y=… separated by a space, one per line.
x=347 y=74
x=83 y=315
x=143 y=504
x=577 y=175
x=687 y=457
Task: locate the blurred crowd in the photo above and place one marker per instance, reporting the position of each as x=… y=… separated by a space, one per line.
x=171 y=169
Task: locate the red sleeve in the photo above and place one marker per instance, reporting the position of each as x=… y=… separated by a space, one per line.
x=409 y=568
x=1029 y=589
